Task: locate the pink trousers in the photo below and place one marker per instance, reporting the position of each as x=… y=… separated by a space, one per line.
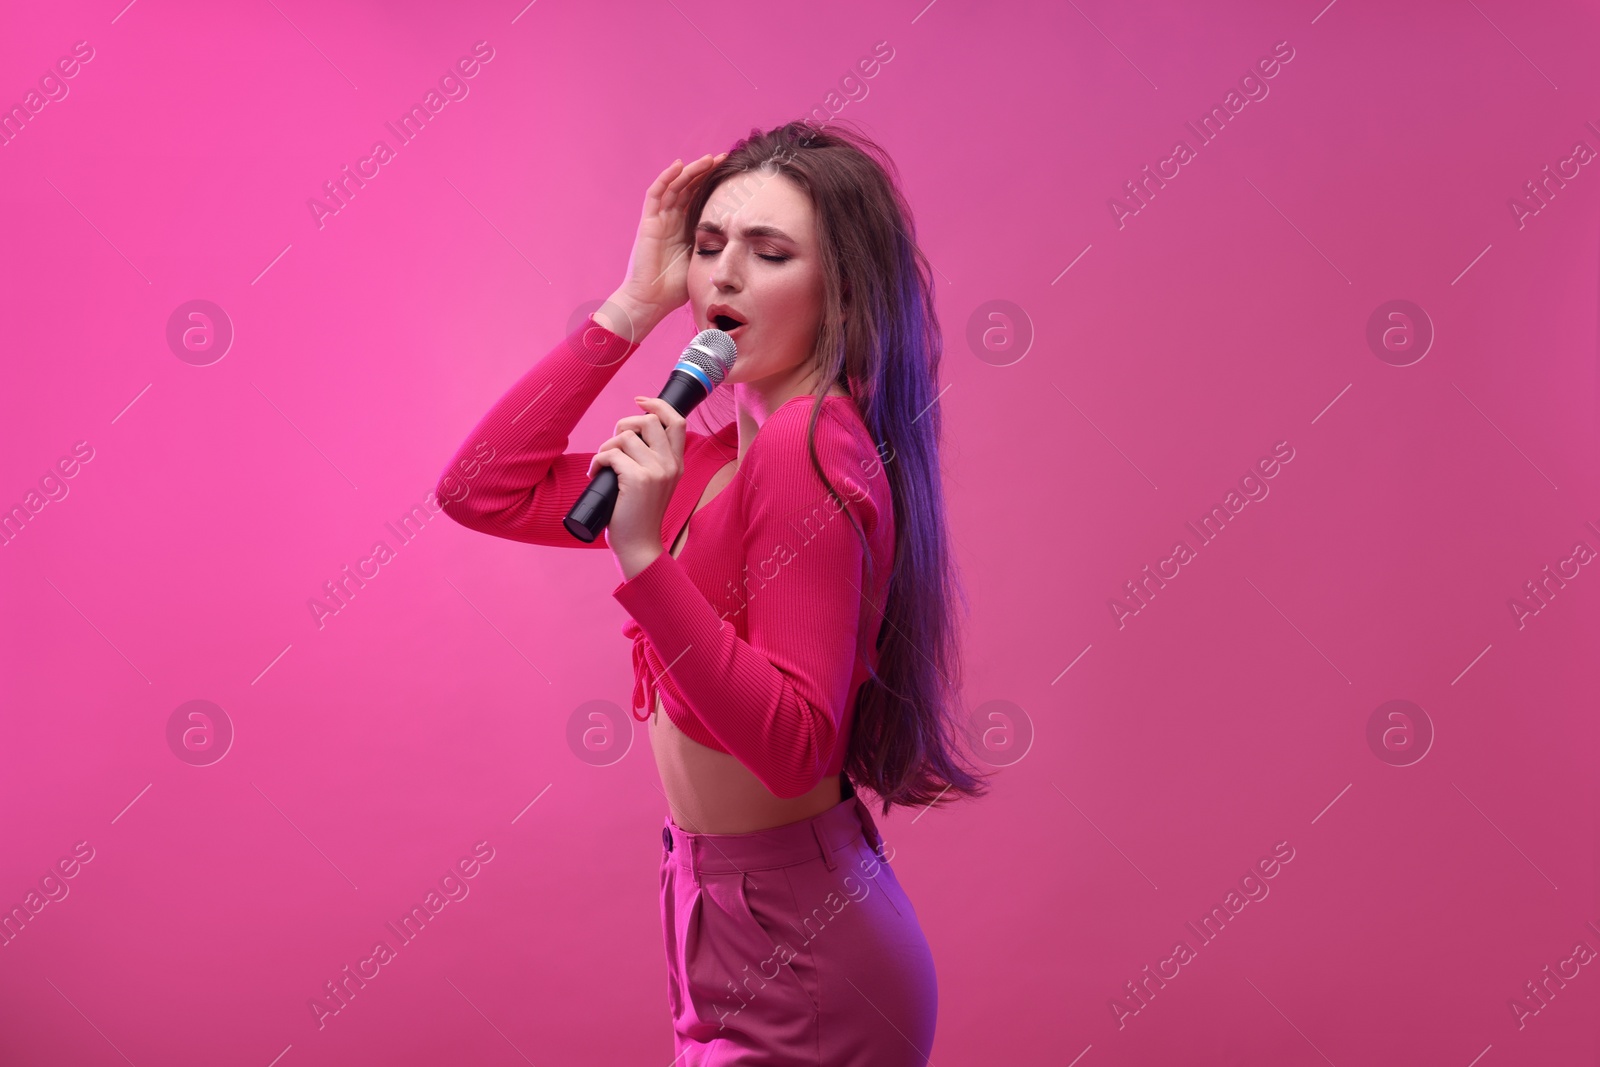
x=794 y=945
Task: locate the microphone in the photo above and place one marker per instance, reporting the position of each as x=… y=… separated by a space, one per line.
x=706 y=360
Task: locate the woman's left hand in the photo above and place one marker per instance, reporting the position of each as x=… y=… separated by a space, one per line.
x=647 y=455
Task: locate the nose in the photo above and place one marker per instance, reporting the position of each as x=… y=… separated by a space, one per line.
x=726 y=276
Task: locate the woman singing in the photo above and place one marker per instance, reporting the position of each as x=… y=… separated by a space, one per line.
x=799 y=637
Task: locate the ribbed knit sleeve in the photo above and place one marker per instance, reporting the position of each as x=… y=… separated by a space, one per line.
x=511 y=477
x=776 y=699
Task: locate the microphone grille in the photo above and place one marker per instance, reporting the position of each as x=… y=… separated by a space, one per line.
x=713 y=352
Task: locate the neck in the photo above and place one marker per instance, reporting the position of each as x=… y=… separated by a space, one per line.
x=756 y=401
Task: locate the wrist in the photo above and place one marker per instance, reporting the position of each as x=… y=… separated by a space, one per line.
x=629 y=319
x=632 y=561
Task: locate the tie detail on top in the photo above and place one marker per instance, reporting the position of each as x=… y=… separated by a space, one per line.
x=643 y=680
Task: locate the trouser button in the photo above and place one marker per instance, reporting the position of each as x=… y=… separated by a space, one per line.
x=666 y=838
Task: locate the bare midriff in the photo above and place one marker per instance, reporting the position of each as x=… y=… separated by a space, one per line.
x=711 y=792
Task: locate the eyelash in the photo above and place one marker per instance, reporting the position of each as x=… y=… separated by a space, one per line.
x=714 y=251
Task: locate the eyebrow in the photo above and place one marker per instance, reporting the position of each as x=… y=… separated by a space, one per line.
x=748 y=231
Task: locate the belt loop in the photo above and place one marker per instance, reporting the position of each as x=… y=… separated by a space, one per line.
x=822 y=842
x=694 y=860
x=869 y=830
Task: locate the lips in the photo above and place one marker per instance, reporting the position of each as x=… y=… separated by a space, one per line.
x=724 y=318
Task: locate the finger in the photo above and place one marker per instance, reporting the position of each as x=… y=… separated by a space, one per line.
x=672 y=422
x=687 y=179
x=682 y=175
x=615 y=441
x=661 y=409
x=629 y=439
x=647 y=426
x=658 y=187
x=619 y=461
x=702 y=170
x=655 y=455
x=678 y=435
x=633 y=447
x=687 y=175
x=664 y=412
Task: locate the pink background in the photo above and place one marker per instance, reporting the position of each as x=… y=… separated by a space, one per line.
x=1228 y=715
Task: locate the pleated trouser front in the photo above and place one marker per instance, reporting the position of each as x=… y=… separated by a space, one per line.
x=794 y=946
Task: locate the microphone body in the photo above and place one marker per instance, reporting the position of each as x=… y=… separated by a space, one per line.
x=704 y=363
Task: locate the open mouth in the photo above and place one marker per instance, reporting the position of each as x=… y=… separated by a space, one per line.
x=726 y=323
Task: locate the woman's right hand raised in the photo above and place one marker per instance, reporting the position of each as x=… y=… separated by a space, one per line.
x=658 y=276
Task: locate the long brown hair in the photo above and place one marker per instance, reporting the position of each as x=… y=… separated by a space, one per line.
x=880 y=339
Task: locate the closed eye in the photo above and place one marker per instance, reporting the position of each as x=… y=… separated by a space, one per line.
x=714 y=251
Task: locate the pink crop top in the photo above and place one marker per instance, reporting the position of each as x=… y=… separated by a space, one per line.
x=758 y=636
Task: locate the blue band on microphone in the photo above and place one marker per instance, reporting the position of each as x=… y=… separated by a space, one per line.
x=685 y=365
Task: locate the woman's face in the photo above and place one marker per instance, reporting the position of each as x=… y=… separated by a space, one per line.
x=756 y=257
